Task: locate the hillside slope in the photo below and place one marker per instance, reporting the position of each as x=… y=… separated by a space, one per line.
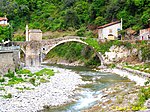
x=64 y=14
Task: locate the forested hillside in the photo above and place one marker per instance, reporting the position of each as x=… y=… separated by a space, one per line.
x=76 y=14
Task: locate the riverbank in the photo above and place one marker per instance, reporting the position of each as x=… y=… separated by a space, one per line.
x=57 y=91
x=63 y=62
x=121 y=97
x=134 y=75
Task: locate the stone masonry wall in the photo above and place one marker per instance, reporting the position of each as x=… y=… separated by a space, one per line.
x=116 y=53
x=8 y=60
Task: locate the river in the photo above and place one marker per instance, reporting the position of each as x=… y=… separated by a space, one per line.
x=89 y=94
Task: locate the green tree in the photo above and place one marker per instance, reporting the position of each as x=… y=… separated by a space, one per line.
x=71 y=19
x=5 y=33
x=99 y=21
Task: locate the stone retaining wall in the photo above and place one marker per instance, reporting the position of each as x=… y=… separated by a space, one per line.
x=8 y=60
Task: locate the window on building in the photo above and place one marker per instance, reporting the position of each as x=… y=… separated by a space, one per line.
x=110 y=30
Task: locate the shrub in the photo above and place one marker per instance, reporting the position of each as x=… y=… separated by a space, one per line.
x=81 y=31
x=128 y=45
x=112 y=66
x=32 y=81
x=93 y=62
x=9 y=95
x=145 y=52
x=89 y=34
x=10 y=74
x=2 y=80
x=42 y=80
x=18 y=38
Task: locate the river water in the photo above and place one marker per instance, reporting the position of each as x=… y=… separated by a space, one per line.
x=90 y=94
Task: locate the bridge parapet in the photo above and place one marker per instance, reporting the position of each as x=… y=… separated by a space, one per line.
x=11 y=48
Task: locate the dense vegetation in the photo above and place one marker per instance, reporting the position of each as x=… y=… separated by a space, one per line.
x=74 y=14
x=105 y=46
x=5 y=33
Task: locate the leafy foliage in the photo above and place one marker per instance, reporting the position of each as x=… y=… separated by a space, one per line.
x=145 y=52
x=62 y=14
x=104 y=47
x=5 y=33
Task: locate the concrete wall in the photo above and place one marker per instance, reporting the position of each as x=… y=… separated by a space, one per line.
x=8 y=60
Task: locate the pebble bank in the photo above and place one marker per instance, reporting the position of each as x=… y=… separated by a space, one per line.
x=58 y=91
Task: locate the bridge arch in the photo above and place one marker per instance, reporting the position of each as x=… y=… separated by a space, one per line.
x=61 y=42
x=48 y=48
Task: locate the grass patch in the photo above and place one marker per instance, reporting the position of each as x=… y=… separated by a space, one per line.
x=42 y=80
x=45 y=71
x=15 y=80
x=10 y=74
x=24 y=71
x=9 y=95
x=144 y=68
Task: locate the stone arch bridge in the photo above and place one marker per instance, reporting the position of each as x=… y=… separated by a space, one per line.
x=34 y=50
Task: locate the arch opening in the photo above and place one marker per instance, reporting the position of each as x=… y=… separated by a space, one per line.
x=22 y=56
x=76 y=48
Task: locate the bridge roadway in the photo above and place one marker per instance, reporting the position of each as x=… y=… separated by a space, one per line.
x=34 y=50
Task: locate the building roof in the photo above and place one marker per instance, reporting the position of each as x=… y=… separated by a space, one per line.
x=109 y=24
x=35 y=31
x=146 y=30
x=3 y=18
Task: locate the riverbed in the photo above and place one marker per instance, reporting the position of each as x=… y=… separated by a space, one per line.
x=89 y=94
x=71 y=89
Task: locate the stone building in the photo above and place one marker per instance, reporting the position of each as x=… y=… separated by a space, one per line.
x=110 y=31
x=33 y=52
x=34 y=34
